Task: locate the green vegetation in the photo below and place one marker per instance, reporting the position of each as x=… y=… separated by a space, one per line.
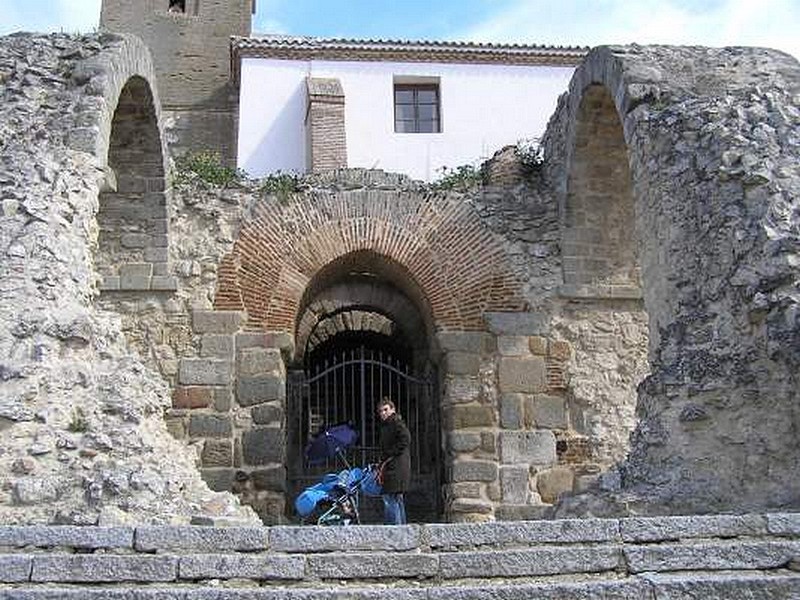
x=460 y=179
x=78 y=423
x=281 y=185
x=207 y=165
x=531 y=157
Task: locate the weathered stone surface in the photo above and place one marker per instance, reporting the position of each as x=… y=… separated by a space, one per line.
x=513 y=345
x=273 y=479
x=217 y=453
x=783 y=523
x=710 y=556
x=546 y=412
x=221 y=566
x=217 y=321
x=466 y=416
x=103 y=568
x=208 y=425
x=529 y=447
x=217 y=345
x=514 y=484
x=201 y=539
x=263 y=388
x=723 y=586
x=616 y=590
x=15 y=568
x=358 y=566
x=473 y=342
x=258 y=361
x=205 y=371
x=263 y=445
x=511 y=411
x=65 y=535
x=267 y=414
x=522 y=374
x=564 y=531
x=516 y=323
x=462 y=363
x=474 y=470
x=366 y=537
x=461 y=389
x=654 y=529
x=459 y=441
x=551 y=483
x=519 y=563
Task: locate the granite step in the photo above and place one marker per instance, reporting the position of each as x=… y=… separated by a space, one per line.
x=658 y=557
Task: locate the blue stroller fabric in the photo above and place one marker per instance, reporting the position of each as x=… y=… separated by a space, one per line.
x=334 y=485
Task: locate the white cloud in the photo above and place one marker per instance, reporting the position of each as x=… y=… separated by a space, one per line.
x=771 y=23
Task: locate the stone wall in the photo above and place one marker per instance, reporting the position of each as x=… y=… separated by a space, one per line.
x=84 y=435
x=711 y=138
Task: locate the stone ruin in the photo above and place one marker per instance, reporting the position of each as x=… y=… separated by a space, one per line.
x=618 y=334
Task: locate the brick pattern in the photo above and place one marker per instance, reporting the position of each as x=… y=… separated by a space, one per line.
x=327 y=148
x=433 y=246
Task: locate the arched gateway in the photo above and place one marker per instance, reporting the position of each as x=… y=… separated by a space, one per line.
x=352 y=288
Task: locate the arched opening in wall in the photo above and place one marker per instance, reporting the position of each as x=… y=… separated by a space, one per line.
x=599 y=246
x=132 y=217
x=604 y=314
x=363 y=333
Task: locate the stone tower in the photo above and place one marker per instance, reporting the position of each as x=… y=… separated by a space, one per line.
x=190 y=44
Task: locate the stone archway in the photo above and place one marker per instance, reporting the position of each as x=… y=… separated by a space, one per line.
x=708 y=186
x=360 y=339
x=418 y=266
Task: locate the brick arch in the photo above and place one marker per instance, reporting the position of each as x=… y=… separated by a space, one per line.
x=128 y=141
x=437 y=243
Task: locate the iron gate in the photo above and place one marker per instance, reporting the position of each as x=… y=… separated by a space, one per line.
x=347 y=388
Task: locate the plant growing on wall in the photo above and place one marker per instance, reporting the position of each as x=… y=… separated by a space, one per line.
x=531 y=157
x=460 y=178
x=281 y=185
x=207 y=165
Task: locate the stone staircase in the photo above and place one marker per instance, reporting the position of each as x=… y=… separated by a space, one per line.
x=698 y=557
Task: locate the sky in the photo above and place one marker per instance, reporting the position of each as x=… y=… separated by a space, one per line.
x=770 y=23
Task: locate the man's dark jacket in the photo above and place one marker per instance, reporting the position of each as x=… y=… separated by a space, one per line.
x=395 y=442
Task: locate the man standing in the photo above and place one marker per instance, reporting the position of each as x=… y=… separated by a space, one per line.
x=395 y=441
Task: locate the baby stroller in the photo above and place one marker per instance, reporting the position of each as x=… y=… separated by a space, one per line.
x=335 y=499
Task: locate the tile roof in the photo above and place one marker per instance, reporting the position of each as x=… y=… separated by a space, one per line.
x=306 y=48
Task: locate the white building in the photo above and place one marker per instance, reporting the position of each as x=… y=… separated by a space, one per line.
x=407 y=107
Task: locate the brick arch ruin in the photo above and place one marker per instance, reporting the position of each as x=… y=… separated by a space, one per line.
x=445 y=258
x=704 y=219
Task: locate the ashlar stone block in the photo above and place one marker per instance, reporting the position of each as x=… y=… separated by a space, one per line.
x=528 y=447
x=263 y=446
x=258 y=361
x=513 y=345
x=511 y=411
x=469 y=415
x=522 y=374
x=554 y=482
x=205 y=371
x=262 y=388
x=462 y=363
x=514 y=484
x=546 y=411
x=217 y=321
x=474 y=470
